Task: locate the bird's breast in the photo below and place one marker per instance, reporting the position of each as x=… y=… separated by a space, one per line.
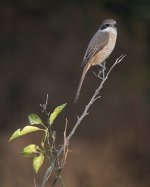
x=103 y=54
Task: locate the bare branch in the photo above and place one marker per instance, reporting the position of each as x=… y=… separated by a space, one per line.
x=44 y=107
x=65 y=145
x=80 y=118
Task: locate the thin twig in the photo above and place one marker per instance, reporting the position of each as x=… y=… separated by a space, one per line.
x=58 y=176
x=79 y=119
x=35 y=182
x=65 y=145
x=44 y=107
x=63 y=159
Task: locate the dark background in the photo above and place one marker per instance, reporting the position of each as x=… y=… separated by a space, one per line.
x=42 y=44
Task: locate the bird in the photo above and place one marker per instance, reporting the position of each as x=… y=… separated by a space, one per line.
x=99 y=49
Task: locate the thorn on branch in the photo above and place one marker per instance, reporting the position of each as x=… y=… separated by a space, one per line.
x=98 y=97
x=78 y=117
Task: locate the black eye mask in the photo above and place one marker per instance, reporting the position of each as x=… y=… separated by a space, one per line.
x=104 y=26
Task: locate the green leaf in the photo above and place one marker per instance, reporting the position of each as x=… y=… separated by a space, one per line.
x=34 y=119
x=37 y=162
x=26 y=130
x=29 y=150
x=56 y=112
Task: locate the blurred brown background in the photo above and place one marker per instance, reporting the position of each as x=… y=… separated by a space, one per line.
x=42 y=44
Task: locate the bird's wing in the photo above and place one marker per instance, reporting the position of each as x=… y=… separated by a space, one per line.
x=97 y=43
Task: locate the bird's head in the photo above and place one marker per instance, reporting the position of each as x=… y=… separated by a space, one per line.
x=108 y=25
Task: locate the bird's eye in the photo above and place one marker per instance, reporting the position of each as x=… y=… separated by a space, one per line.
x=107 y=25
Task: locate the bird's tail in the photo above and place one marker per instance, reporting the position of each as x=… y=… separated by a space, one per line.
x=86 y=68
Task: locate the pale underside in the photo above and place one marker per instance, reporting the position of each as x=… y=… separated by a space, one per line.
x=100 y=47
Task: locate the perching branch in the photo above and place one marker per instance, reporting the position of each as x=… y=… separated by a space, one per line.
x=79 y=119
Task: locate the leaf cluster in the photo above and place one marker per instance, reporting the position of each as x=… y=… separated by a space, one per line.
x=39 y=152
